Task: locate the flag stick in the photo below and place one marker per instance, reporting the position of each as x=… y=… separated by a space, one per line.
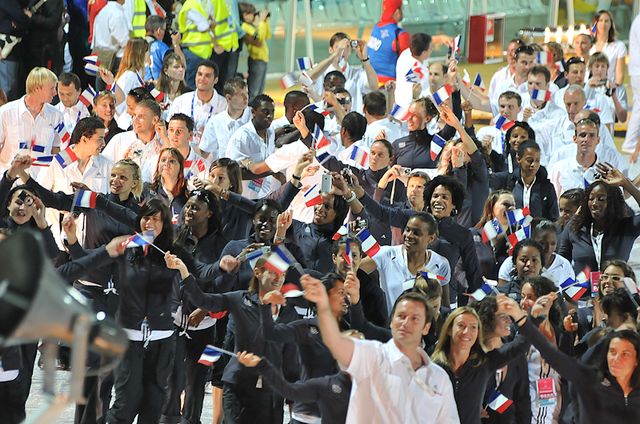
x=75 y=199
x=226 y=352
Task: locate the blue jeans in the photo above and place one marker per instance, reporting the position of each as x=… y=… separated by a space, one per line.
x=9 y=78
x=193 y=61
x=257 y=77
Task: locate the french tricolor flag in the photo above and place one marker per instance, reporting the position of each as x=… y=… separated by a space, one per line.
x=544 y=58
x=442 y=94
x=278 y=261
x=322 y=145
x=484 y=291
x=431 y=276
x=65 y=137
x=209 y=356
x=319 y=108
x=86 y=199
x=594 y=29
x=304 y=63
x=288 y=80
x=415 y=74
x=541 y=95
x=491 y=230
x=198 y=163
x=342 y=231
x=347 y=252
x=91 y=64
x=521 y=234
x=499 y=402
x=87 y=96
x=574 y=288
x=312 y=196
x=360 y=157
x=503 y=123
x=139 y=240
x=518 y=216
x=42 y=161
x=157 y=94
x=369 y=244
x=66 y=157
x=401 y=113
x=437 y=144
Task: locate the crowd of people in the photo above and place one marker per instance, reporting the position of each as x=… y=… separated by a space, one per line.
x=372 y=255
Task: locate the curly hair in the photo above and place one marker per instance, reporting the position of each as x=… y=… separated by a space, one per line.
x=616 y=208
x=487 y=309
x=454 y=186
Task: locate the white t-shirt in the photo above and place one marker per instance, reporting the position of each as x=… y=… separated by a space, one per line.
x=634 y=47
x=558 y=272
x=501 y=75
x=126 y=145
x=127 y=82
x=387 y=390
x=111 y=28
x=395 y=277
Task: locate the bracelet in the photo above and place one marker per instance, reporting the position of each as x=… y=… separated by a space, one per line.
x=295 y=177
x=366 y=60
x=520 y=319
x=352 y=197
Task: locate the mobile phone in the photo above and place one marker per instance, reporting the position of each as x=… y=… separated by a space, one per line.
x=406 y=171
x=326 y=184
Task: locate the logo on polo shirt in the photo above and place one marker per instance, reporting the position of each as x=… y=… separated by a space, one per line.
x=336 y=389
x=313 y=330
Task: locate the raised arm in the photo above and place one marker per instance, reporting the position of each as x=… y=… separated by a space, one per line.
x=341 y=347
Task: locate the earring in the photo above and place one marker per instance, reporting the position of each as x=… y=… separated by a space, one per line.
x=454 y=212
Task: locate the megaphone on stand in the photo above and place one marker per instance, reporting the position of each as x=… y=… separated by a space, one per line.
x=35 y=303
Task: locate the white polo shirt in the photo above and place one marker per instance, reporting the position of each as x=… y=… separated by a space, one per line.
x=395 y=277
x=508 y=84
x=191 y=105
x=386 y=389
x=18 y=125
x=245 y=143
x=568 y=173
x=71 y=115
x=357 y=84
x=111 y=28
x=219 y=130
x=392 y=130
x=127 y=145
x=498 y=78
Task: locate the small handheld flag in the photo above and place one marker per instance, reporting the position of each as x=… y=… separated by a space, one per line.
x=322 y=145
x=288 y=80
x=312 y=196
x=342 y=231
x=65 y=137
x=41 y=161
x=85 y=199
x=415 y=74
x=91 y=65
x=521 y=234
x=541 y=95
x=484 y=291
x=360 y=157
x=430 y=276
x=304 y=63
x=87 y=96
x=544 y=58
x=140 y=240
x=400 y=113
x=66 y=157
x=518 y=216
x=454 y=52
x=211 y=354
x=442 y=94
x=305 y=79
x=499 y=402
x=578 y=287
x=319 y=108
x=503 y=123
x=369 y=244
x=491 y=230
x=594 y=29
x=437 y=144
x=477 y=82
x=157 y=94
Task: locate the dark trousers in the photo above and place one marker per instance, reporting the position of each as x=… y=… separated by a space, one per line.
x=141 y=382
x=227 y=65
x=188 y=375
x=250 y=405
x=14 y=394
x=97 y=389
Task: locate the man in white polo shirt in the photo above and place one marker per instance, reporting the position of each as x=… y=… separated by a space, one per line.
x=394 y=382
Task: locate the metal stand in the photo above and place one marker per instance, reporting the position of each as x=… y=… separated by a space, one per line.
x=57 y=403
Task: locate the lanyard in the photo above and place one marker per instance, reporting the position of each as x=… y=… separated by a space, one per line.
x=140 y=80
x=193 y=101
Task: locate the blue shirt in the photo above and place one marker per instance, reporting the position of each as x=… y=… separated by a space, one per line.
x=157 y=51
x=380 y=49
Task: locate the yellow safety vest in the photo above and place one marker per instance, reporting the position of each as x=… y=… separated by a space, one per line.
x=139 y=19
x=199 y=43
x=225 y=31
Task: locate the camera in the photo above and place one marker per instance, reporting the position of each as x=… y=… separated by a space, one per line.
x=406 y=172
x=326 y=184
x=354 y=44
